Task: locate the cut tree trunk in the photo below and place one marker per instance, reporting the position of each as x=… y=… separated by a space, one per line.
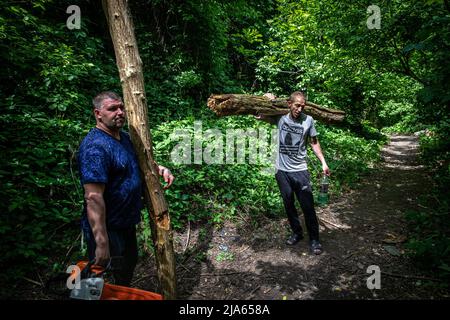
x=241 y=104
x=130 y=69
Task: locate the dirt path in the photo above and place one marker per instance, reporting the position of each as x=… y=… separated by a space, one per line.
x=361 y=228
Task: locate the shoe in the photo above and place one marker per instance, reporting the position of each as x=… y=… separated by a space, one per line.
x=294 y=239
x=316 y=247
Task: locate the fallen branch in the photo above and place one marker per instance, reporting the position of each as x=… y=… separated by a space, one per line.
x=142 y=278
x=242 y=250
x=409 y=277
x=244 y=104
x=184 y=267
x=218 y=274
x=355 y=251
x=324 y=280
x=73 y=245
x=201 y=293
x=252 y=293
x=330 y=223
x=33 y=281
x=188 y=237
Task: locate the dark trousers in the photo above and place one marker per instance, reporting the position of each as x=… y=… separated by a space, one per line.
x=298 y=183
x=123 y=244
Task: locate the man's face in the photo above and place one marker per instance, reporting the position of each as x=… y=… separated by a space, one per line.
x=297 y=106
x=112 y=114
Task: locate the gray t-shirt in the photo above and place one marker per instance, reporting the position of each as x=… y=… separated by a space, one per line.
x=293 y=136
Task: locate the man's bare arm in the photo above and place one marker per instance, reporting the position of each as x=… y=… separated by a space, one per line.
x=315 y=145
x=96 y=214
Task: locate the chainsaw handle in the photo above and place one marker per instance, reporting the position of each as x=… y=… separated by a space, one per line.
x=86 y=272
x=115 y=263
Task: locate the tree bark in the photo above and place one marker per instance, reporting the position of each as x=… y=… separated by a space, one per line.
x=130 y=69
x=240 y=104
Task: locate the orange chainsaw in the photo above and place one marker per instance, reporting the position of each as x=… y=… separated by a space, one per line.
x=92 y=286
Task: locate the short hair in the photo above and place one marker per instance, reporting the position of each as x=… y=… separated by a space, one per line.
x=296 y=94
x=98 y=100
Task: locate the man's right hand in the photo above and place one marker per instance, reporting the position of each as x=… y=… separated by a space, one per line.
x=102 y=255
x=270 y=96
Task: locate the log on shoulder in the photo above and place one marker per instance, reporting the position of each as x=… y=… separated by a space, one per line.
x=241 y=104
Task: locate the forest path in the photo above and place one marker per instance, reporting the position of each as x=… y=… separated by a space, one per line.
x=364 y=227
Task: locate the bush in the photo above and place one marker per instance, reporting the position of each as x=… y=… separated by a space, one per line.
x=430 y=228
x=42 y=196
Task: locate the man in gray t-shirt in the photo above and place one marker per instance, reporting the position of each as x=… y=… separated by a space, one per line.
x=293 y=135
x=294 y=131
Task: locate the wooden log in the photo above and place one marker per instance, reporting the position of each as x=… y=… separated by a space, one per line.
x=131 y=76
x=242 y=104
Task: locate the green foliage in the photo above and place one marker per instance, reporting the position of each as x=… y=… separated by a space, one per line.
x=145 y=241
x=47 y=58
x=201 y=257
x=348 y=155
x=41 y=191
x=49 y=76
x=430 y=228
x=186 y=51
x=373 y=75
x=225 y=256
x=202 y=192
x=388 y=80
x=430 y=241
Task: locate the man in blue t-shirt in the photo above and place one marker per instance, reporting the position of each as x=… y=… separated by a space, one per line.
x=294 y=131
x=110 y=176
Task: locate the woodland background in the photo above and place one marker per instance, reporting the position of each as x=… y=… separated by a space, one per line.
x=392 y=79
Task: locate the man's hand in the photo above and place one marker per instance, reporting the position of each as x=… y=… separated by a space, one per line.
x=167 y=176
x=262 y=117
x=326 y=170
x=102 y=255
x=318 y=152
x=269 y=95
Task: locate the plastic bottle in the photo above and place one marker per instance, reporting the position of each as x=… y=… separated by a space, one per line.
x=323 y=194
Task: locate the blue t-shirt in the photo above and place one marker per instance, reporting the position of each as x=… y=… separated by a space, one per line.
x=104 y=159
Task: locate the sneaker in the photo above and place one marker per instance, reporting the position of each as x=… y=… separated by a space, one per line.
x=293 y=239
x=316 y=247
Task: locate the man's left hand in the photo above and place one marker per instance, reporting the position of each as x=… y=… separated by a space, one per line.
x=167 y=176
x=326 y=170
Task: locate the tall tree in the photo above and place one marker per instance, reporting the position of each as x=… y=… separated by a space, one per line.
x=130 y=69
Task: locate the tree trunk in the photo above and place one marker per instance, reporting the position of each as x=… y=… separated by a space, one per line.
x=239 y=104
x=130 y=69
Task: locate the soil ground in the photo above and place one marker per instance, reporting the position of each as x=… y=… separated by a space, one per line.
x=364 y=227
